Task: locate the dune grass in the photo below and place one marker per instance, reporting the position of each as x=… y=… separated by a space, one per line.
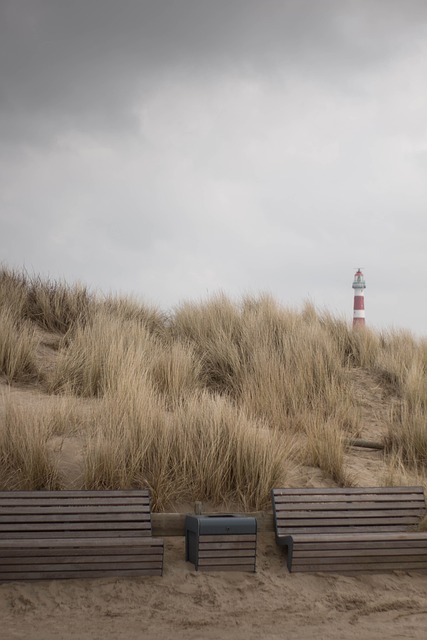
x=216 y=401
x=18 y=347
x=51 y=305
x=25 y=461
x=325 y=448
x=207 y=450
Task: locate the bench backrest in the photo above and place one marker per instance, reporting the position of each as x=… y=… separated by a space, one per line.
x=367 y=509
x=74 y=514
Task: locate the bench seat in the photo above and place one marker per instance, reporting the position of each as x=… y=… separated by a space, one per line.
x=351 y=530
x=48 y=535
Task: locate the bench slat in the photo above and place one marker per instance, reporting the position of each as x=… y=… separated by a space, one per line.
x=351 y=491
x=348 y=499
x=347 y=530
x=80 y=555
x=63 y=575
x=300 y=553
x=291 y=507
x=13 y=510
x=36 y=527
x=221 y=560
x=226 y=553
x=66 y=494
x=64 y=535
x=232 y=537
x=12 y=519
x=65 y=503
x=317 y=521
x=370 y=536
x=88 y=543
x=226 y=545
x=352 y=567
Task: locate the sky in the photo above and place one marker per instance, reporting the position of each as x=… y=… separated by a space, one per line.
x=173 y=149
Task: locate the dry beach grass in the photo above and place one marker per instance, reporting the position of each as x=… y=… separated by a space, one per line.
x=217 y=401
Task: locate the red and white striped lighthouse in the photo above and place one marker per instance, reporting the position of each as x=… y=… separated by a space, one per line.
x=359 y=287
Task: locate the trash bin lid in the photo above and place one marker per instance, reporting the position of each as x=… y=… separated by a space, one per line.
x=223 y=524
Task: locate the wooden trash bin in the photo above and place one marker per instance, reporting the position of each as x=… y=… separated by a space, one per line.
x=221 y=542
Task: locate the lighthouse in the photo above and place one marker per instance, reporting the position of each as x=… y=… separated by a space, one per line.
x=359 y=287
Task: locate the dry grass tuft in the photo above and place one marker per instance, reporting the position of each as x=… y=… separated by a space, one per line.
x=51 y=305
x=18 y=346
x=25 y=461
x=207 y=451
x=325 y=448
x=91 y=362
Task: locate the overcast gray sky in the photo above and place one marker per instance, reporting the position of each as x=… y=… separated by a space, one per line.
x=172 y=149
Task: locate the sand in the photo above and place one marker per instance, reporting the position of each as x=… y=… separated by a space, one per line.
x=184 y=603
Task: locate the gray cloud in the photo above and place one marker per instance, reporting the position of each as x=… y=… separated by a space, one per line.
x=172 y=149
x=85 y=64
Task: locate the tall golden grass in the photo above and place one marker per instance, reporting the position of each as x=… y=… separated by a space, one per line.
x=217 y=401
x=52 y=305
x=18 y=347
x=25 y=461
x=207 y=449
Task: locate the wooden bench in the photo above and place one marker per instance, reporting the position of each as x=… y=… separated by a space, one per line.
x=47 y=535
x=347 y=530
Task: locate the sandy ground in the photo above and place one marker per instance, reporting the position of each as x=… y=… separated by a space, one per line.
x=184 y=603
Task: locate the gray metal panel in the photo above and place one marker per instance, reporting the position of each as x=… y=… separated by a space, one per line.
x=221 y=524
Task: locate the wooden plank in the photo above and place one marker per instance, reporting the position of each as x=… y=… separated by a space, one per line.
x=66 y=543
x=227 y=545
x=358 y=547
x=65 y=518
x=365 y=551
x=360 y=537
x=227 y=538
x=84 y=566
x=75 y=526
x=365 y=559
x=64 y=535
x=63 y=575
x=330 y=503
x=223 y=553
x=148 y=554
x=71 y=509
x=76 y=494
x=348 y=506
x=73 y=502
x=222 y=561
x=378 y=567
x=346 y=490
x=338 y=530
x=334 y=516
x=64 y=494
x=9 y=554
x=345 y=497
x=331 y=523
x=240 y=568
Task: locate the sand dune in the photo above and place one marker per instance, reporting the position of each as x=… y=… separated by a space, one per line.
x=272 y=603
